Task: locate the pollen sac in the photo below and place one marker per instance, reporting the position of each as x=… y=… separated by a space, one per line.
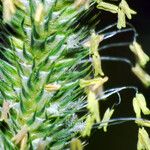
x=95 y=83
x=138 y=51
x=142 y=104
x=88 y=126
x=143 y=140
x=97 y=65
x=123 y=11
x=139 y=105
x=96 y=60
x=136 y=108
x=106 y=118
x=107 y=7
x=52 y=87
x=94 y=42
x=142 y=75
x=142 y=122
x=76 y=144
x=126 y=9
x=93 y=106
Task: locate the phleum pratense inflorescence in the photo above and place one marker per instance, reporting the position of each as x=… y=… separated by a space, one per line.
x=52 y=76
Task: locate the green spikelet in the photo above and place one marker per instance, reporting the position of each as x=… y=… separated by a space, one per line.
x=40 y=92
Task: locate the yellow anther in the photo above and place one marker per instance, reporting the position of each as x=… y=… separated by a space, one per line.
x=141 y=74
x=107 y=7
x=52 y=87
x=97 y=65
x=138 y=51
x=96 y=60
x=94 y=42
x=123 y=11
x=139 y=104
x=143 y=140
x=88 y=126
x=76 y=144
x=145 y=123
x=93 y=106
x=106 y=118
x=126 y=9
x=94 y=83
x=142 y=104
x=121 y=19
x=136 y=108
x=20 y=135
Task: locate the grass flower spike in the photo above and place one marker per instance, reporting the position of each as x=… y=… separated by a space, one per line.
x=52 y=83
